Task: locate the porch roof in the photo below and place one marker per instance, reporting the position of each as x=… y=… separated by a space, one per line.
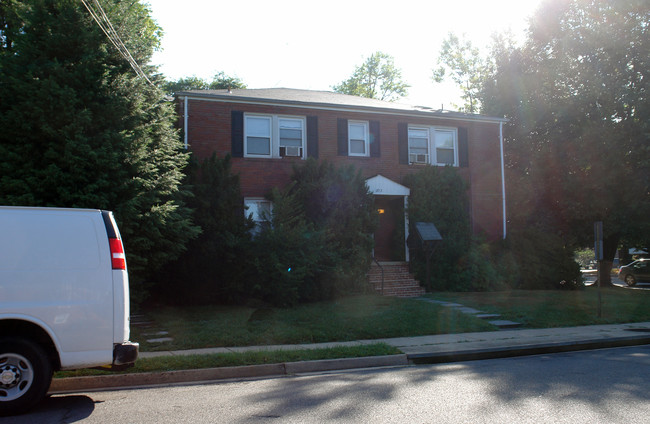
x=382 y=186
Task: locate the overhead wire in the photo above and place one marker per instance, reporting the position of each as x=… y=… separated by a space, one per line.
x=104 y=23
x=119 y=40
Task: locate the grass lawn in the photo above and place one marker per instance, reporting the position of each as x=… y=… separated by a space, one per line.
x=172 y=363
x=363 y=317
x=353 y=318
x=545 y=309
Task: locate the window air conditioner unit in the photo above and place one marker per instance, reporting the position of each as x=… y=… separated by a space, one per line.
x=419 y=158
x=291 y=151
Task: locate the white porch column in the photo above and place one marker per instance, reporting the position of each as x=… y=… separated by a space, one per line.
x=406 y=227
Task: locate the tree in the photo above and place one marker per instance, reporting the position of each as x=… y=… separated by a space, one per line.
x=465 y=66
x=376 y=78
x=186 y=83
x=80 y=128
x=290 y=256
x=576 y=97
x=222 y=81
x=214 y=267
x=219 y=81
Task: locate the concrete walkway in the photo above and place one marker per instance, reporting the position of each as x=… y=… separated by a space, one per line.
x=423 y=349
x=449 y=345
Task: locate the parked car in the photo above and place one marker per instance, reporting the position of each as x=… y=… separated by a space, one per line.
x=64 y=299
x=635 y=271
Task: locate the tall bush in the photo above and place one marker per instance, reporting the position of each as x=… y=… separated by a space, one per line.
x=337 y=202
x=289 y=255
x=439 y=195
x=319 y=245
x=215 y=267
x=544 y=261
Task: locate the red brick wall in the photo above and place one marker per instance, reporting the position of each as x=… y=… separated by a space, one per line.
x=209 y=131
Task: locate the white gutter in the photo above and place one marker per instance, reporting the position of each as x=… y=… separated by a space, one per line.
x=185 y=118
x=503 y=179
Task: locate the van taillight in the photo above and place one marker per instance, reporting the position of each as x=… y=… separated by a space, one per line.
x=118 y=260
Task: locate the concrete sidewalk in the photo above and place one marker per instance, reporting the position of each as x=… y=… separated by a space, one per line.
x=423 y=349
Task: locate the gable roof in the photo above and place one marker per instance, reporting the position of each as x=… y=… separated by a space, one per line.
x=328 y=100
x=380 y=185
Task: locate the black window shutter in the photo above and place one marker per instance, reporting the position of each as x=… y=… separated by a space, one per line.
x=463 y=149
x=403 y=142
x=375 y=150
x=342 y=134
x=312 y=136
x=237 y=132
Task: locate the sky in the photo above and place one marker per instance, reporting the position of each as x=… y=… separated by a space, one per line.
x=317 y=44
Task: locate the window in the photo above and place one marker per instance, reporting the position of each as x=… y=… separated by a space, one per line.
x=433 y=145
x=258 y=136
x=358 y=138
x=259 y=210
x=445 y=147
x=273 y=136
x=419 y=145
x=291 y=137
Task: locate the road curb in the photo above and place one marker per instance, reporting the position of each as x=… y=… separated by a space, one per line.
x=119 y=381
x=122 y=381
x=346 y=363
x=526 y=350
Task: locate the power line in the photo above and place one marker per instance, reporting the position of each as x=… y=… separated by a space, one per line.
x=105 y=24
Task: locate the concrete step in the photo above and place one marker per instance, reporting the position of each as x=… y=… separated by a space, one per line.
x=401 y=283
x=397 y=280
x=488 y=316
x=403 y=294
x=504 y=324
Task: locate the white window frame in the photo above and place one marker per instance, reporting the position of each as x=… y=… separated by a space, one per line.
x=247 y=134
x=275 y=134
x=428 y=154
x=432 y=147
x=301 y=121
x=366 y=141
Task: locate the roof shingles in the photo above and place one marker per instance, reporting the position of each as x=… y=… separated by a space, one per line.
x=327 y=99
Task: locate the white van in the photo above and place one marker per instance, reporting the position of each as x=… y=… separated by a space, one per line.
x=64 y=298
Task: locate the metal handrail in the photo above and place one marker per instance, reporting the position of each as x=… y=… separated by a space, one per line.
x=381 y=268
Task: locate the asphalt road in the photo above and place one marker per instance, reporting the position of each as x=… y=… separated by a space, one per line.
x=603 y=386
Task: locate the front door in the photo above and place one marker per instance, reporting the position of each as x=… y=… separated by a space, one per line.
x=387 y=244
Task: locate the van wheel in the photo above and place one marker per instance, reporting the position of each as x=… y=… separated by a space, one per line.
x=25 y=375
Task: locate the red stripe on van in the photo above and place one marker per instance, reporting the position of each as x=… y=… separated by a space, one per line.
x=118 y=259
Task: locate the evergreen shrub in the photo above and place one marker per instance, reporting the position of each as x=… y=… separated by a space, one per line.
x=216 y=265
x=439 y=195
x=322 y=231
x=543 y=259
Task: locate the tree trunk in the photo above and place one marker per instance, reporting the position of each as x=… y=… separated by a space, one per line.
x=624 y=255
x=610 y=243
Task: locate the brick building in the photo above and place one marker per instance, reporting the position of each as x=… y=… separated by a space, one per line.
x=267 y=130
